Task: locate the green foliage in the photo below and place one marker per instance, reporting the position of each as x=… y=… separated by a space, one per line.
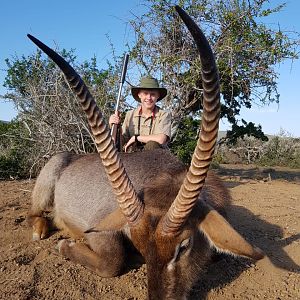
x=25 y=71
x=248 y=129
x=185 y=140
x=218 y=159
x=281 y=151
x=49 y=116
x=13 y=151
x=91 y=73
x=246 y=47
x=247 y=52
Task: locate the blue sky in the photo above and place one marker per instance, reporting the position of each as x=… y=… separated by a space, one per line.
x=84 y=26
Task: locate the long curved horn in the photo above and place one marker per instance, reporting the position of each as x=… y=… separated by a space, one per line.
x=127 y=198
x=195 y=178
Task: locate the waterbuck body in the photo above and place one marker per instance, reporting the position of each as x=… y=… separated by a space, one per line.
x=82 y=191
x=144 y=204
x=77 y=188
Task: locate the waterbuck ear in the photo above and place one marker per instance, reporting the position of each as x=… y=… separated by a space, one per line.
x=223 y=237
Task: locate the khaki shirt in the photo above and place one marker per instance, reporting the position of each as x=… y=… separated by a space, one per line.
x=161 y=123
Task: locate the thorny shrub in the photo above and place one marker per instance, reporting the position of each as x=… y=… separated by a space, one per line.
x=279 y=150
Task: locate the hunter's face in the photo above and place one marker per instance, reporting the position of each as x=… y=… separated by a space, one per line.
x=148 y=98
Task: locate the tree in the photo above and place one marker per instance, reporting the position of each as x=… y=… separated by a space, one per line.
x=49 y=115
x=247 y=52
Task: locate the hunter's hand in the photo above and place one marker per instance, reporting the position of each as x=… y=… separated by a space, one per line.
x=129 y=143
x=114 y=119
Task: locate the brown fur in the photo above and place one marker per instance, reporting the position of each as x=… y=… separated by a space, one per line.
x=84 y=202
x=80 y=194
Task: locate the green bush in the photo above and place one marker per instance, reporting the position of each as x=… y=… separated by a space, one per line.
x=13 y=151
x=185 y=141
x=281 y=150
x=50 y=119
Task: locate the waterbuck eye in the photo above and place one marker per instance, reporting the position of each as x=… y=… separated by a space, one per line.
x=181 y=249
x=185 y=244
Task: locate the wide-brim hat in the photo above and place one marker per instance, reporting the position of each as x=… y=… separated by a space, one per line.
x=148 y=83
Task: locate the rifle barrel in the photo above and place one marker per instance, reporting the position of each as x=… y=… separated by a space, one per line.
x=122 y=79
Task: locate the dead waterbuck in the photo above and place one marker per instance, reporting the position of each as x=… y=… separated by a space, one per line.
x=145 y=203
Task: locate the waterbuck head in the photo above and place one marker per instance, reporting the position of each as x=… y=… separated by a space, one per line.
x=175 y=238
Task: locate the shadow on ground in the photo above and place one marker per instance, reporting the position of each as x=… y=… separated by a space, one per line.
x=266 y=236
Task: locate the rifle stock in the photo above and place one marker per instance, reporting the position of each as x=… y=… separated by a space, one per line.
x=116 y=134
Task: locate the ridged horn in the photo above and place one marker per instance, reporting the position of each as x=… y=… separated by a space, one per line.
x=195 y=178
x=126 y=196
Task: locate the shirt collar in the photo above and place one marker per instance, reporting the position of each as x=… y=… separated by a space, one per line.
x=138 y=111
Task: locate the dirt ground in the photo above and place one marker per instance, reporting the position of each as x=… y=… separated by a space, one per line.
x=266 y=210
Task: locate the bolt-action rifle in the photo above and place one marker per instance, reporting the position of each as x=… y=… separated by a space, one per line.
x=116 y=131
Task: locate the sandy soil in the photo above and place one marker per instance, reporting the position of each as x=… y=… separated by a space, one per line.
x=266 y=210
